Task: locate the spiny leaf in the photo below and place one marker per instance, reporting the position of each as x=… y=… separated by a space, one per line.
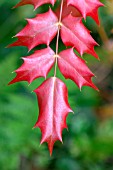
x=39 y=30
x=53 y=109
x=43 y=28
x=35 y=65
x=35 y=3
x=74 y=33
x=74 y=68
x=87 y=7
x=52 y=94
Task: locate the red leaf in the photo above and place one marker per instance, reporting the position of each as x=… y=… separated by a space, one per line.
x=35 y=3
x=39 y=30
x=53 y=109
x=87 y=7
x=74 y=68
x=52 y=94
x=74 y=33
x=35 y=65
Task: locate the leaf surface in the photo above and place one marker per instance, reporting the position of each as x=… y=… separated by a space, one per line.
x=35 y=65
x=39 y=30
x=35 y=3
x=74 y=33
x=67 y=10
x=53 y=109
x=87 y=7
x=74 y=68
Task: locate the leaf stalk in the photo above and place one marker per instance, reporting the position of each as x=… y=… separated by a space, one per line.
x=58 y=34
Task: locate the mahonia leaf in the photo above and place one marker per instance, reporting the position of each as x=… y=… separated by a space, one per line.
x=43 y=28
x=74 y=33
x=74 y=68
x=87 y=7
x=39 y=30
x=35 y=65
x=52 y=94
x=35 y=3
x=53 y=109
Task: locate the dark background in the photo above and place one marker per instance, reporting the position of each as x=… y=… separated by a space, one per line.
x=89 y=143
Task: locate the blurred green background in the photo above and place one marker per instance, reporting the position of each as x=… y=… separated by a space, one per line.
x=89 y=143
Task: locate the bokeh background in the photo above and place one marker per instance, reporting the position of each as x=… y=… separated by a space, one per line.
x=89 y=143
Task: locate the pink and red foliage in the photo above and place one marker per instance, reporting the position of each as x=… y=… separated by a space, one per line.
x=65 y=22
